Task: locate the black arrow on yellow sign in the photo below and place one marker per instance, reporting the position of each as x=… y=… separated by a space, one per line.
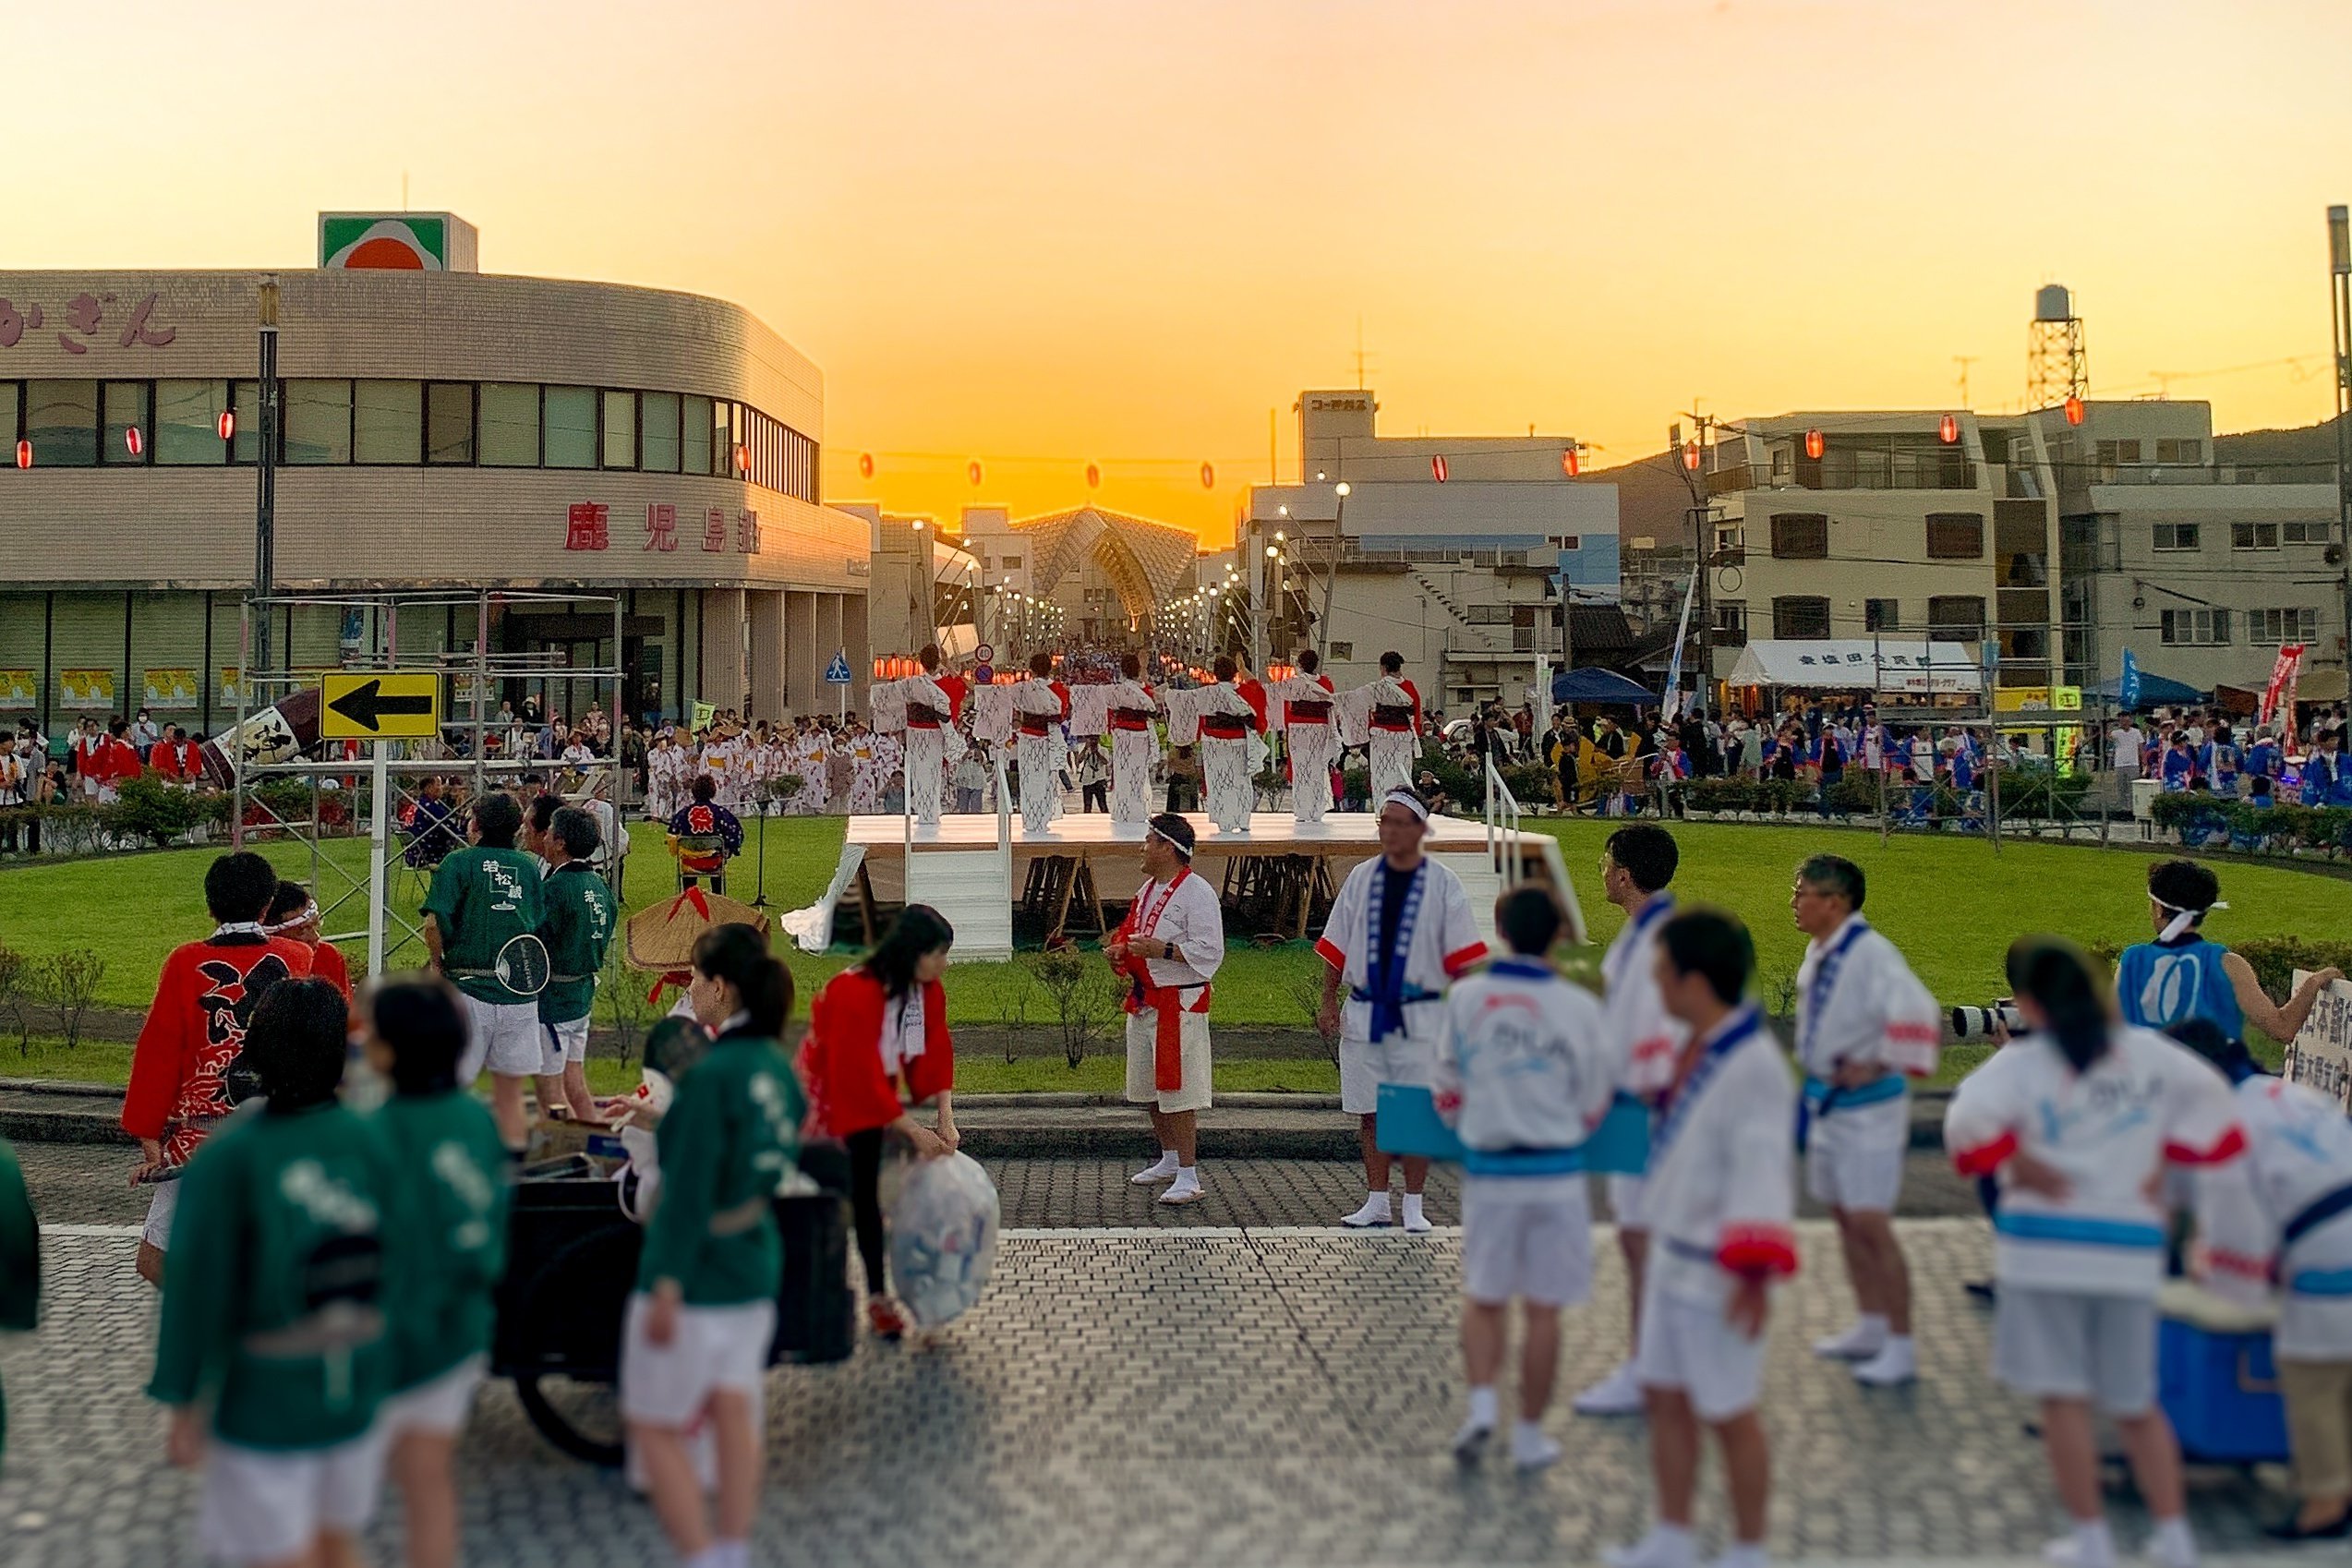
x=367 y=705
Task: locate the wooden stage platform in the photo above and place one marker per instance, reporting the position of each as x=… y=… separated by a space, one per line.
x=1278 y=877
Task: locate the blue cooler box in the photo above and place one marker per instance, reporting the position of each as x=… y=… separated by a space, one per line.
x=2219 y=1387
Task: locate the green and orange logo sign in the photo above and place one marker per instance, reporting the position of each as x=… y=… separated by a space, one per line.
x=406 y=242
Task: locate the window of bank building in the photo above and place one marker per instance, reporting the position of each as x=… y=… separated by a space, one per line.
x=334 y=422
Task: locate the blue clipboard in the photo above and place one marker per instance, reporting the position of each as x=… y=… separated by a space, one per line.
x=1408 y=1124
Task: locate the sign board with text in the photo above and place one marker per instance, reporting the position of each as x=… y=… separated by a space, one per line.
x=2319 y=1056
x=85 y=689
x=386 y=704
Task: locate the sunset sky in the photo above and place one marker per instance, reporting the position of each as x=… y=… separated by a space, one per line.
x=1045 y=233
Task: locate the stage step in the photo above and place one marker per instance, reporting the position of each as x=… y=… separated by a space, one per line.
x=973 y=887
x=1481 y=881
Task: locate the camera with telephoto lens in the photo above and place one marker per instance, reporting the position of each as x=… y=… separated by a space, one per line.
x=1976 y=1023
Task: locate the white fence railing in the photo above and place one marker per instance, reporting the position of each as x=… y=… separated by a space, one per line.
x=1502 y=826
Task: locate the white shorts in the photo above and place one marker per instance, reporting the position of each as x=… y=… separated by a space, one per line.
x=1143 y=1080
x=1364 y=1066
x=1854 y=1158
x=561 y=1042
x=259 y=1507
x=1535 y=1248
x=1688 y=1347
x=1627 y=1201
x=2065 y=1345
x=157 y=1231
x=436 y=1407
x=503 y=1036
x=714 y=1347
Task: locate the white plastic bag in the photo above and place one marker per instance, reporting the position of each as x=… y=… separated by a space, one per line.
x=943 y=1238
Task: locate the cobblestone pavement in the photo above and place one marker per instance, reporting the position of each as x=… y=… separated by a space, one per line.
x=1215 y=1395
x=79 y=1184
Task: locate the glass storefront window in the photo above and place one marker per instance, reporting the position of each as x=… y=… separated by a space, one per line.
x=246 y=446
x=723 y=425
x=61 y=420
x=11 y=401
x=388 y=421
x=568 y=425
x=660 y=415
x=694 y=457
x=448 y=422
x=509 y=425
x=125 y=404
x=619 y=430
x=187 y=422
x=318 y=422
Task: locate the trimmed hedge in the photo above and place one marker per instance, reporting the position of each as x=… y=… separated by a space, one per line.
x=2207 y=821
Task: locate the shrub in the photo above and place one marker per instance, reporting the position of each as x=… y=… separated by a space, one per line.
x=66 y=984
x=14 y=969
x=1082 y=993
x=152 y=810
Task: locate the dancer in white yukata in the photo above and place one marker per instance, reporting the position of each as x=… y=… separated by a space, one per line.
x=2281 y=1219
x=2078 y=1119
x=1040 y=705
x=1168 y=949
x=1304 y=709
x=931 y=704
x=668 y=767
x=1135 y=742
x=1400 y=930
x=1525 y=1072
x=1721 y=1194
x=1864 y=1024
x=1226 y=726
x=1635 y=868
x=1385 y=717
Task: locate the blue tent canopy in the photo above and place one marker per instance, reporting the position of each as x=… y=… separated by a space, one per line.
x=1605 y=686
x=2153 y=690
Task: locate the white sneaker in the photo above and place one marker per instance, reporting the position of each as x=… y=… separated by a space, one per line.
x=1373 y=1213
x=1891 y=1367
x=1471 y=1442
x=1656 y=1549
x=1532 y=1448
x=1859 y=1343
x=1163 y=1171
x=1619 y=1393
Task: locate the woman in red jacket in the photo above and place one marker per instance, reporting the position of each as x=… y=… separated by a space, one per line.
x=871 y=1029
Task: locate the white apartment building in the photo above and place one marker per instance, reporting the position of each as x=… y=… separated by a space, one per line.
x=1452 y=551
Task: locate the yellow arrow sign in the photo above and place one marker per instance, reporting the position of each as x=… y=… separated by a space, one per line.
x=403 y=705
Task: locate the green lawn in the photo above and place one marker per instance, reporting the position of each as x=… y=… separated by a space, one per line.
x=1951 y=905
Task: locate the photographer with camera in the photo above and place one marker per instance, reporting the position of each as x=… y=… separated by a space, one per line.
x=1863 y=1023
x=2181 y=976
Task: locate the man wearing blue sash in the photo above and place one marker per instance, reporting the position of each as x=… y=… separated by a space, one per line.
x=2325 y=783
x=1721 y=1189
x=2263 y=765
x=2181 y=976
x=1864 y=1022
x=1400 y=930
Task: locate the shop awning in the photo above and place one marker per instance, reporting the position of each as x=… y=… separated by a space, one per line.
x=1863 y=664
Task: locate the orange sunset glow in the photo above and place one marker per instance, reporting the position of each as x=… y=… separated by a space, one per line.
x=1045 y=235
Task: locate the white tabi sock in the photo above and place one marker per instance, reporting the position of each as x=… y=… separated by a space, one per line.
x=1743 y=1555
x=1414 y=1219
x=1874 y=1324
x=2171 y=1545
x=1188 y=1179
x=1666 y=1545
x=1483 y=1409
x=2088 y=1545
x=734 y=1554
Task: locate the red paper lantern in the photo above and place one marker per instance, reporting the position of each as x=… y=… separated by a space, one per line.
x=24 y=455
x=1570 y=464
x=1093 y=477
x=131 y=439
x=1691 y=455
x=1816 y=443
x=1948 y=431
x=1208 y=477
x=971 y=472
x=1437 y=467
x=865 y=465
x=226 y=423
x=742 y=458
x=2074 y=411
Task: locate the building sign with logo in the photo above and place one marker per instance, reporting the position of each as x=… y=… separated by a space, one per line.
x=406 y=242
x=88 y=320
x=2064 y=700
x=86 y=688
x=588 y=525
x=19 y=688
x=173 y=689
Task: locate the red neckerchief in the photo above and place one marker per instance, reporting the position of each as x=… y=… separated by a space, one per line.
x=1167 y=1035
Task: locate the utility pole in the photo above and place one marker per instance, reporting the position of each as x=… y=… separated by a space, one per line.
x=2339 y=245
x=1964 y=361
x=265 y=501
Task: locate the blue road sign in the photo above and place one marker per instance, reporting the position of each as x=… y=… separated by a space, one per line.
x=838 y=672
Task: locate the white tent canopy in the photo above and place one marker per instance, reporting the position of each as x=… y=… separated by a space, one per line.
x=1858 y=663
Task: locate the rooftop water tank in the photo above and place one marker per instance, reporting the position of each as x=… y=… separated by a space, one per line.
x=2052 y=303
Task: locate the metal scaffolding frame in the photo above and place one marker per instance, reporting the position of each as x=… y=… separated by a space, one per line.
x=399 y=775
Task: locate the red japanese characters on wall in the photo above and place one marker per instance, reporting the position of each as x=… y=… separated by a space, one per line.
x=90 y=314
x=661 y=526
x=588 y=525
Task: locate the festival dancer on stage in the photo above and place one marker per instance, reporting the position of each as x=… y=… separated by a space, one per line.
x=1400 y=930
x=1863 y=1023
x=1307 y=722
x=1225 y=724
x=1385 y=717
x=1040 y=705
x=1168 y=948
x=1135 y=744
x=934 y=702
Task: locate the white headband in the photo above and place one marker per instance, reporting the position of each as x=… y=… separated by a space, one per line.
x=1408 y=801
x=2183 y=920
x=302 y=916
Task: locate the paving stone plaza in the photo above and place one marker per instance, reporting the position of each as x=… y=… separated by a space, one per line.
x=1209 y=1394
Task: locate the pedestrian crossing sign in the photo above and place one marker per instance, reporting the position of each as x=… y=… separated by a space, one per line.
x=838 y=672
